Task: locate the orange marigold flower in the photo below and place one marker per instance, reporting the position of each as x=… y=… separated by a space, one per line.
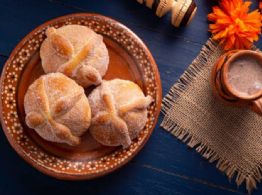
x=233 y=26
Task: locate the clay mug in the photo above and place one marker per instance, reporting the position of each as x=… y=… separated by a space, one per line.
x=239 y=70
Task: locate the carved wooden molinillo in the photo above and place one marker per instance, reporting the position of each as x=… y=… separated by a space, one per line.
x=182 y=11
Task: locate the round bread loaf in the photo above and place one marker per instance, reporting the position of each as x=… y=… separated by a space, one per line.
x=119 y=112
x=77 y=51
x=57 y=108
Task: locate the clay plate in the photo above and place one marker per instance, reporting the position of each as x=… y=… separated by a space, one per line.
x=129 y=59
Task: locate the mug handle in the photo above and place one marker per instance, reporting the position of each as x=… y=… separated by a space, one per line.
x=257 y=106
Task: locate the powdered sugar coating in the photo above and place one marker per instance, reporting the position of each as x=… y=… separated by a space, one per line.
x=13 y=74
x=57 y=108
x=77 y=37
x=129 y=107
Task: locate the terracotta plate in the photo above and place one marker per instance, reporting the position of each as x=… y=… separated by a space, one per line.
x=129 y=59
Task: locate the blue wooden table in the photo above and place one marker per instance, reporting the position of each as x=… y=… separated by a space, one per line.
x=165 y=165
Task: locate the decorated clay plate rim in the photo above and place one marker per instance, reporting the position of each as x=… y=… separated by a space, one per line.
x=80 y=175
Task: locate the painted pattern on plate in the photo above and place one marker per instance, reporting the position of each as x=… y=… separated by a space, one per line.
x=13 y=72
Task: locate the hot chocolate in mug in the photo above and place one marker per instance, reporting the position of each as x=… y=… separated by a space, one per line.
x=237 y=78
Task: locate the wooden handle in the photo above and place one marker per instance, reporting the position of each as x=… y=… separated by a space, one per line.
x=182 y=11
x=257 y=106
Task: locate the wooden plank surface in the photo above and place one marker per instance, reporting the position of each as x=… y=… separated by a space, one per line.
x=165 y=165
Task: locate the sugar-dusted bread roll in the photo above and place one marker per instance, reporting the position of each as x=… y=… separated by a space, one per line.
x=57 y=108
x=119 y=112
x=77 y=51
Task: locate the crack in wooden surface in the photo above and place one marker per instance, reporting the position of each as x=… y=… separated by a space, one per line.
x=164 y=63
x=3 y=56
x=184 y=177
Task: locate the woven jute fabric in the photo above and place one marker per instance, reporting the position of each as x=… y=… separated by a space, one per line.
x=229 y=136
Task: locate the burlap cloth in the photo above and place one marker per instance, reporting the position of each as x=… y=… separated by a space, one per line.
x=229 y=136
